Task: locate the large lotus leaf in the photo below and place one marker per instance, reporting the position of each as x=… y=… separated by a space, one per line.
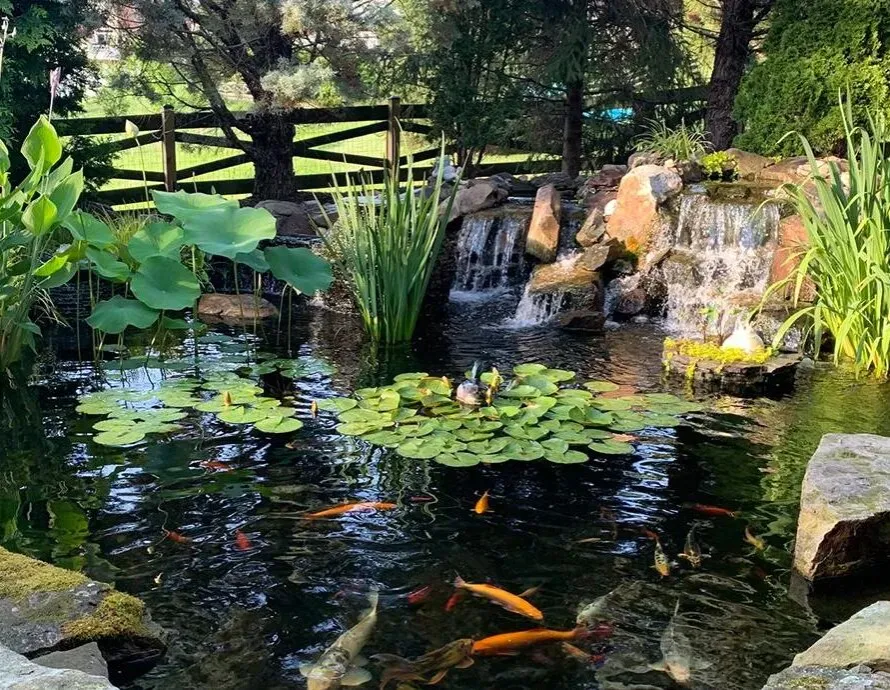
x=156 y=239
x=609 y=447
x=115 y=314
x=300 y=268
x=601 y=386
x=228 y=231
x=278 y=425
x=120 y=437
x=114 y=424
x=107 y=265
x=89 y=229
x=457 y=459
x=570 y=457
x=528 y=369
x=241 y=415
x=591 y=417
x=185 y=205
x=255 y=260
x=164 y=283
x=365 y=393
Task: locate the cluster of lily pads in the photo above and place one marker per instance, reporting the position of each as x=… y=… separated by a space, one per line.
x=539 y=414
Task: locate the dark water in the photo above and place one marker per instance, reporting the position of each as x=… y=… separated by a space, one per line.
x=250 y=618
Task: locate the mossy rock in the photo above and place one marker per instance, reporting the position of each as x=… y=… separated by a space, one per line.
x=44 y=608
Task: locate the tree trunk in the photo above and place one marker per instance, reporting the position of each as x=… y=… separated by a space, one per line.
x=730 y=59
x=573 y=126
x=272 y=156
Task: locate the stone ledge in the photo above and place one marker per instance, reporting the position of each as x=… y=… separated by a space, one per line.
x=740 y=378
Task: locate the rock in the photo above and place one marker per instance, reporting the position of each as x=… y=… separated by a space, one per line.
x=815 y=678
x=235 y=308
x=823 y=167
x=543 y=231
x=610 y=207
x=592 y=229
x=585 y=320
x=594 y=258
x=844 y=507
x=45 y=609
x=792 y=238
x=689 y=171
x=562 y=181
x=477 y=195
x=598 y=199
x=642 y=191
x=607 y=177
x=631 y=302
x=749 y=165
x=863 y=639
x=783 y=172
x=291 y=217
x=17 y=673
x=569 y=274
x=86 y=658
x=643 y=158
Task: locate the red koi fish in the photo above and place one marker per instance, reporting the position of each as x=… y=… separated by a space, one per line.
x=215 y=466
x=242 y=543
x=419 y=595
x=177 y=537
x=712 y=511
x=454 y=600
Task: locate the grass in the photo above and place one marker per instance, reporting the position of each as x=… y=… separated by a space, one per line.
x=681 y=143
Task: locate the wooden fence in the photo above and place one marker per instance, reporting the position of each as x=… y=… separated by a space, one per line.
x=169 y=128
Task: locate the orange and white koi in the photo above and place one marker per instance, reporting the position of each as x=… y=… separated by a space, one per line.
x=662 y=564
x=313 y=408
x=511 y=602
x=361 y=506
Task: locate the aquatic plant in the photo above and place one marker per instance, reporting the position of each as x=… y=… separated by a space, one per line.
x=847 y=252
x=719 y=165
x=387 y=246
x=682 y=143
x=536 y=415
x=713 y=352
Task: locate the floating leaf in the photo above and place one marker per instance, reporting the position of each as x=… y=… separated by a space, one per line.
x=555 y=445
x=662 y=420
x=570 y=457
x=278 y=425
x=419 y=449
x=411 y=376
x=601 y=386
x=611 y=448
x=524 y=451
x=544 y=385
x=528 y=369
x=612 y=404
x=356 y=428
x=521 y=391
x=241 y=415
x=457 y=459
x=558 y=375
x=119 y=437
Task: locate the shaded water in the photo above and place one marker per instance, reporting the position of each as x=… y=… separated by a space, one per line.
x=250 y=618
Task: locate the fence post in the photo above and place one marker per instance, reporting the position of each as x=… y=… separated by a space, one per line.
x=393 y=136
x=168 y=137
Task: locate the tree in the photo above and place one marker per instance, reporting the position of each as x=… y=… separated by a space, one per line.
x=813 y=52
x=279 y=54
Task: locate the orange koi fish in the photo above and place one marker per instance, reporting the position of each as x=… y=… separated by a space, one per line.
x=482 y=504
x=419 y=595
x=349 y=508
x=650 y=534
x=242 y=543
x=501 y=597
x=454 y=600
x=177 y=537
x=215 y=466
x=662 y=564
x=506 y=643
x=712 y=511
x=579 y=654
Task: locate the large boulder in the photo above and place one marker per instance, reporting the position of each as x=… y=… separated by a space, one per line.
x=45 y=609
x=786 y=171
x=542 y=240
x=863 y=639
x=87 y=658
x=18 y=673
x=844 y=517
x=816 y=678
x=792 y=241
x=641 y=193
x=567 y=275
x=216 y=306
x=749 y=165
x=291 y=217
x=478 y=195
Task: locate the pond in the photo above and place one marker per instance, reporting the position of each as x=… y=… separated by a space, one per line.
x=253 y=590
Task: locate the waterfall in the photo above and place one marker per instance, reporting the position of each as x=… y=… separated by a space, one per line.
x=720 y=262
x=537 y=308
x=490 y=252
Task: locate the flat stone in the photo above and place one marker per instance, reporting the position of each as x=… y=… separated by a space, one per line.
x=641 y=193
x=542 y=240
x=862 y=639
x=477 y=195
x=17 y=673
x=844 y=507
x=592 y=229
x=86 y=658
x=585 y=320
x=291 y=217
x=748 y=164
x=594 y=258
x=567 y=275
x=816 y=678
x=783 y=172
x=234 y=308
x=738 y=378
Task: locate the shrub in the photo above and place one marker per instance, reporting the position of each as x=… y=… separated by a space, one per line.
x=848 y=256
x=719 y=165
x=681 y=143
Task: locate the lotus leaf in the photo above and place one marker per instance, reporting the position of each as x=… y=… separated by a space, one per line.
x=482 y=425
x=443 y=408
x=255 y=260
x=435 y=386
x=528 y=369
x=574 y=438
x=278 y=425
x=107 y=265
x=366 y=393
x=183 y=205
x=574 y=393
x=609 y=447
x=627 y=425
x=87 y=228
x=423 y=429
x=156 y=239
x=115 y=314
x=96 y=407
x=601 y=386
x=164 y=283
x=404 y=414
x=300 y=268
x=597 y=434
x=230 y=230
x=359 y=414
x=114 y=424
x=526 y=433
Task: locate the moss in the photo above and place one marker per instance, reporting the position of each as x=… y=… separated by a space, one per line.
x=21 y=576
x=809 y=683
x=697 y=350
x=118 y=615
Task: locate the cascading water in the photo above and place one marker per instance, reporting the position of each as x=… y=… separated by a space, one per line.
x=537 y=308
x=720 y=262
x=490 y=252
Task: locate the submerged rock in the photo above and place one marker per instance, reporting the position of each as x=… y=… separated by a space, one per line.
x=863 y=639
x=235 y=308
x=844 y=507
x=543 y=232
x=816 y=678
x=17 y=673
x=568 y=274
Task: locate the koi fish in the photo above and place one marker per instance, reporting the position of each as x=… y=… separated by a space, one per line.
x=430 y=668
x=242 y=543
x=712 y=511
x=177 y=537
x=530 y=592
x=579 y=654
x=215 y=466
x=506 y=643
x=313 y=408
x=691 y=550
x=453 y=600
x=482 y=504
x=501 y=597
x=678 y=656
x=496 y=378
x=349 y=508
x=419 y=595
x=754 y=540
x=662 y=564
x=336 y=666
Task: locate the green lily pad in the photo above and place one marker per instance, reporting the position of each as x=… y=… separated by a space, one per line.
x=493 y=459
x=570 y=457
x=469 y=435
x=96 y=407
x=577 y=393
x=662 y=420
x=601 y=386
x=609 y=447
x=489 y=447
x=241 y=415
x=612 y=404
x=411 y=376
x=543 y=384
x=119 y=437
x=524 y=451
x=528 y=369
x=521 y=391
x=337 y=404
x=356 y=428
x=558 y=375
x=419 y=449
x=555 y=445
x=389 y=439
x=278 y=425
x=457 y=459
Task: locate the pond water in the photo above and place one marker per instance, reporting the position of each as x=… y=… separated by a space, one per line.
x=249 y=615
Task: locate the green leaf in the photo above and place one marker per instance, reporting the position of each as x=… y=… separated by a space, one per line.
x=521 y=391
x=66 y=194
x=528 y=369
x=337 y=404
x=107 y=265
x=601 y=386
x=42 y=147
x=242 y=415
x=40 y=215
x=255 y=259
x=89 y=229
x=300 y=268
x=558 y=375
x=120 y=437
x=163 y=283
x=570 y=457
x=115 y=314
x=457 y=459
x=50 y=266
x=184 y=205
x=611 y=448
x=278 y=425
x=156 y=239
x=419 y=449
x=228 y=231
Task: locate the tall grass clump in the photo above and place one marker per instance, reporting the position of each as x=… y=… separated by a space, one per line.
x=847 y=255
x=682 y=143
x=386 y=243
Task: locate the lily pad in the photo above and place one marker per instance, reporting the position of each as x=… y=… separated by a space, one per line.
x=337 y=404
x=521 y=391
x=601 y=386
x=419 y=449
x=241 y=415
x=457 y=459
x=528 y=369
x=558 y=375
x=120 y=437
x=608 y=447
x=569 y=457
x=278 y=425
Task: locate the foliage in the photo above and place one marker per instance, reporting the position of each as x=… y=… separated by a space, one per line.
x=719 y=165
x=813 y=50
x=847 y=259
x=681 y=143
x=696 y=349
x=535 y=415
x=389 y=249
